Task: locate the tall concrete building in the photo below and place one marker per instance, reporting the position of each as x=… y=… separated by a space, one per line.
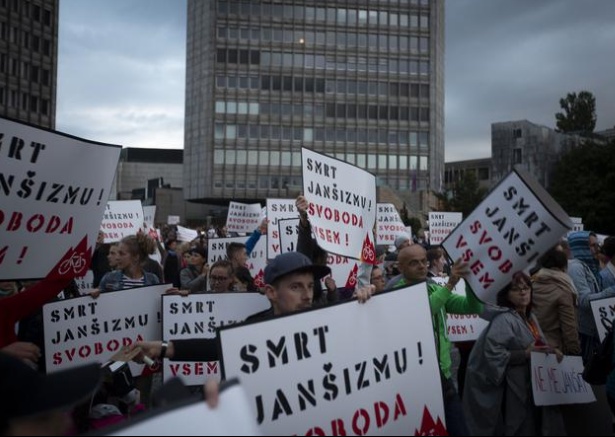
x=533 y=147
x=29 y=60
x=360 y=81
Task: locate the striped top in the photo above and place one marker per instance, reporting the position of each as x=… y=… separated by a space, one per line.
x=132 y=283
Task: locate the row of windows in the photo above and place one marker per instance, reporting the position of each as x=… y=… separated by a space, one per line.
x=322 y=62
x=28 y=40
x=337 y=16
x=283 y=182
x=330 y=110
x=31 y=10
x=369 y=161
x=317 y=85
x=24 y=70
x=25 y=102
x=330 y=38
x=413 y=139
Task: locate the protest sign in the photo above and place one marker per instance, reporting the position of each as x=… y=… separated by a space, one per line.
x=556 y=383
x=462 y=327
x=344 y=270
x=232 y=416
x=257 y=259
x=389 y=224
x=603 y=311
x=173 y=220
x=149 y=215
x=516 y=223
x=441 y=224
x=198 y=316
x=48 y=204
x=84 y=283
x=278 y=209
x=243 y=218
x=304 y=375
x=121 y=218
x=186 y=234
x=288 y=234
x=577 y=224
x=342 y=205
x=85 y=330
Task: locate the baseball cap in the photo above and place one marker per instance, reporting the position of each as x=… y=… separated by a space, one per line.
x=401 y=239
x=28 y=392
x=293 y=262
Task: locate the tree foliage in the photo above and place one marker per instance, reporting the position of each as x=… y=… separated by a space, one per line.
x=583 y=183
x=465 y=195
x=414 y=222
x=579 y=113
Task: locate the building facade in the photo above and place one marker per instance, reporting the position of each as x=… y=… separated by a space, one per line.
x=360 y=81
x=533 y=147
x=480 y=168
x=29 y=60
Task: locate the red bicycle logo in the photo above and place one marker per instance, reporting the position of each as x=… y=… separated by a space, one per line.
x=75 y=262
x=368 y=253
x=352 y=279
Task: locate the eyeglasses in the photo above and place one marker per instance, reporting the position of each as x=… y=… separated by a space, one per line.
x=217 y=278
x=520 y=288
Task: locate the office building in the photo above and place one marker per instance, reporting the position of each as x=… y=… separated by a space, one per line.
x=360 y=81
x=29 y=60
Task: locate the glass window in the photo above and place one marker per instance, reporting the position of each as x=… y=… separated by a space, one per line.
x=242 y=108
x=274 y=158
x=423 y=139
x=221 y=55
x=424 y=45
x=361 y=160
x=308 y=134
x=296 y=159
x=331 y=15
x=393 y=19
x=220 y=107
x=253 y=132
x=221 y=32
x=286 y=158
x=310 y=14
x=362 y=16
x=424 y=161
x=384 y=18
x=229 y=157
x=424 y=22
x=403 y=20
x=320 y=14
x=231 y=132
x=244 y=33
x=413 y=161
x=254 y=108
x=372 y=161
x=232 y=56
x=403 y=162
x=298 y=12
x=252 y=157
x=242 y=157
x=373 y=18
x=382 y=162
x=414 y=139
x=244 y=82
x=218 y=156
x=352 y=17
x=263 y=157
x=254 y=82
x=221 y=81
x=276 y=83
x=231 y=107
x=219 y=135
x=341 y=16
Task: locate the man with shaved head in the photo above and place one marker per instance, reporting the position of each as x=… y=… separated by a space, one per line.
x=413 y=266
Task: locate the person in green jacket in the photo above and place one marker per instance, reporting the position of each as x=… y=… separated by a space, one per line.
x=413 y=266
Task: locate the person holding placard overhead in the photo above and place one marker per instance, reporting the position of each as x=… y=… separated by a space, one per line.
x=413 y=263
x=290 y=279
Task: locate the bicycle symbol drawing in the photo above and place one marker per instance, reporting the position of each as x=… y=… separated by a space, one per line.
x=75 y=262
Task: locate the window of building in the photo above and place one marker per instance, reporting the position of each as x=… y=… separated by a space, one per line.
x=517 y=156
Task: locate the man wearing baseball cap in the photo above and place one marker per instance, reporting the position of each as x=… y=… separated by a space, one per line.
x=290 y=280
x=37 y=404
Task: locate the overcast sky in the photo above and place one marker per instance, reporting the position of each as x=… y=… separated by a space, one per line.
x=121 y=68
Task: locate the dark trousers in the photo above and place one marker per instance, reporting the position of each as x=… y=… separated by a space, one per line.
x=453 y=411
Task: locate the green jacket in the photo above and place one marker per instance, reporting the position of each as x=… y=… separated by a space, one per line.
x=442 y=301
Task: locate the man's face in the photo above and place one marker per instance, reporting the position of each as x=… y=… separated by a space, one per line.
x=292 y=293
x=241 y=257
x=413 y=263
x=594 y=247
